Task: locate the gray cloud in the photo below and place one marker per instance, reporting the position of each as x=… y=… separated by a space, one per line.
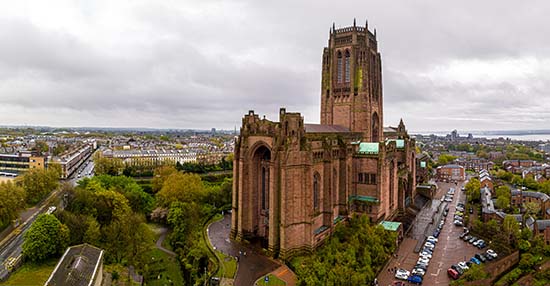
x=189 y=64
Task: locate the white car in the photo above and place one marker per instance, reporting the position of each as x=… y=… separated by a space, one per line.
x=463 y=265
x=418 y=271
x=423 y=260
x=402 y=274
x=425 y=254
x=431 y=237
x=429 y=246
x=477 y=242
x=492 y=253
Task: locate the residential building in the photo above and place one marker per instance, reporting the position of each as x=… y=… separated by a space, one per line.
x=451 y=172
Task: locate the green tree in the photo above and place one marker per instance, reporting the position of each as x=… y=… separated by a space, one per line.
x=531 y=208
x=93 y=232
x=445 y=159
x=38 y=183
x=503 y=202
x=160 y=175
x=12 y=199
x=108 y=166
x=476 y=272
x=45 y=238
x=182 y=188
x=473 y=188
x=511 y=228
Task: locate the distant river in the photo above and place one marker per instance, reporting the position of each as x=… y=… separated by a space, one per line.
x=526 y=137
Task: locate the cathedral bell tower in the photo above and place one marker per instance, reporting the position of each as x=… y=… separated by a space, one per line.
x=351 y=85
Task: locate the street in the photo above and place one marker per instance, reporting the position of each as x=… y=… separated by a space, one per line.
x=11 y=246
x=449 y=250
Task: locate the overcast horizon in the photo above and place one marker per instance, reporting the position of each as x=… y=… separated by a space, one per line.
x=467 y=65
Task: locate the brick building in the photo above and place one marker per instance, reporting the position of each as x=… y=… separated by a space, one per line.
x=518 y=198
x=293 y=182
x=450 y=172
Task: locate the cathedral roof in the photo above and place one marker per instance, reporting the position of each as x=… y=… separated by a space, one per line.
x=322 y=128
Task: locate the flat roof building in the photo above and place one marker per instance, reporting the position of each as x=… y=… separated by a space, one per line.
x=81 y=265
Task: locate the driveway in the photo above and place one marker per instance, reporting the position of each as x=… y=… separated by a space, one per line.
x=250 y=266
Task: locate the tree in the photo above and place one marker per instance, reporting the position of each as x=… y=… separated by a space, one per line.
x=503 y=202
x=12 y=199
x=445 y=159
x=531 y=208
x=510 y=227
x=160 y=175
x=181 y=187
x=45 y=238
x=108 y=166
x=476 y=272
x=473 y=188
x=93 y=233
x=38 y=183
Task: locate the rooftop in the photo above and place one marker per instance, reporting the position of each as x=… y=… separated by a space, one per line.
x=322 y=128
x=77 y=267
x=368 y=148
x=390 y=225
x=363 y=198
x=542 y=196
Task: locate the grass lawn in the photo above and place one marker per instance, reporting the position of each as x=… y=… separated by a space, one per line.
x=31 y=274
x=273 y=281
x=164 y=266
x=229 y=266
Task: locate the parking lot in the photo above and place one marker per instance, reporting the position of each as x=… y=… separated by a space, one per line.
x=449 y=249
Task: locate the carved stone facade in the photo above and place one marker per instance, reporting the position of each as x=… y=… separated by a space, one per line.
x=293 y=182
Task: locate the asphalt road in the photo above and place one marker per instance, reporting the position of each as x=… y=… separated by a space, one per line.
x=12 y=247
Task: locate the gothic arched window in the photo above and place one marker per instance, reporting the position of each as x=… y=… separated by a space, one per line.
x=339 y=67
x=316 y=191
x=347 y=64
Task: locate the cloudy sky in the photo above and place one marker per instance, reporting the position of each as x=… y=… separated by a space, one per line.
x=470 y=65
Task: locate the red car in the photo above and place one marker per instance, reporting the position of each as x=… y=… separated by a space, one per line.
x=453 y=273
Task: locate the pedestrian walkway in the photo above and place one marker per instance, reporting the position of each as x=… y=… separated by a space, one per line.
x=251 y=265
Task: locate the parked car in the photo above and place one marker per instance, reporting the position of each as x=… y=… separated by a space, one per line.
x=425 y=254
x=402 y=274
x=475 y=260
x=423 y=260
x=492 y=253
x=430 y=238
x=463 y=265
x=462 y=235
x=481 y=245
x=478 y=242
x=453 y=273
x=467 y=238
x=487 y=256
x=457 y=269
x=471 y=210
x=418 y=271
x=458 y=223
x=421 y=266
x=480 y=257
x=415 y=279
x=472 y=240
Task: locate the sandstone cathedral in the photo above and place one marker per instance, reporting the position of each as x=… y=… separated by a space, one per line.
x=294 y=182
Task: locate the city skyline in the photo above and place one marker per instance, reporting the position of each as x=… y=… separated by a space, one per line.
x=191 y=66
